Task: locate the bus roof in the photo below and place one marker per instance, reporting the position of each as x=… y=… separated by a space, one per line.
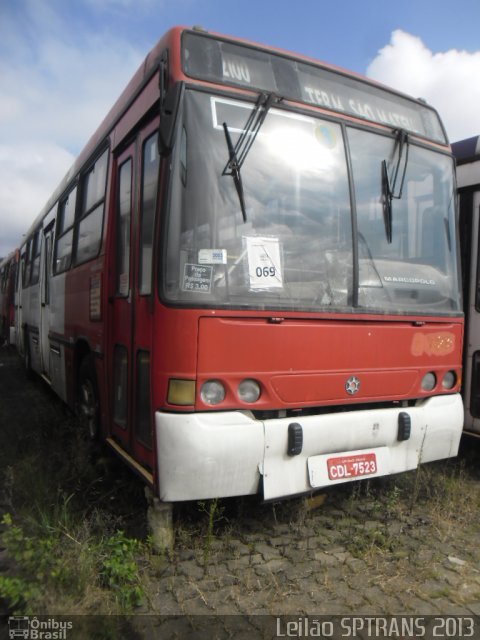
x=466 y=150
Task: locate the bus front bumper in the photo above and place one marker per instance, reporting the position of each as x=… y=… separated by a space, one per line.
x=222 y=454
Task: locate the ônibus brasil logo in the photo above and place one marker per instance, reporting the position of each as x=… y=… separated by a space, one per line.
x=35 y=629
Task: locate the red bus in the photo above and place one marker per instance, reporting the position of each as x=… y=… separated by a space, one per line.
x=467 y=155
x=8 y=275
x=248 y=281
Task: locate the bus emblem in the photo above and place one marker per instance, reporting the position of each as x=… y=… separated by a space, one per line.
x=352 y=385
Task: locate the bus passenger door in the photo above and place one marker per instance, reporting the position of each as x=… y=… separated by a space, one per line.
x=470 y=239
x=45 y=274
x=130 y=302
x=121 y=303
x=20 y=336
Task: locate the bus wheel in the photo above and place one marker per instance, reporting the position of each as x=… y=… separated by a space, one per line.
x=88 y=404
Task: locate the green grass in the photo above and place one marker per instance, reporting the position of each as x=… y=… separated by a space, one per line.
x=71 y=513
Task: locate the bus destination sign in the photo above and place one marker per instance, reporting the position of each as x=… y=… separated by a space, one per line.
x=224 y=62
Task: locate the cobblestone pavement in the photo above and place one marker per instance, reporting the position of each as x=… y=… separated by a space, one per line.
x=364 y=550
x=405 y=545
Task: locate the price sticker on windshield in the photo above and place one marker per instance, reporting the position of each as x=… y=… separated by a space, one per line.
x=264 y=263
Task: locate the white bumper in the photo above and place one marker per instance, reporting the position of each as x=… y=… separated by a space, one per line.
x=221 y=454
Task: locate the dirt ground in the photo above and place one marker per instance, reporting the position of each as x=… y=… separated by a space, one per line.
x=398 y=546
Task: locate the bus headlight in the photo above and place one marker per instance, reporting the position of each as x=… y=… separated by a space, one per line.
x=249 y=390
x=212 y=392
x=449 y=380
x=429 y=381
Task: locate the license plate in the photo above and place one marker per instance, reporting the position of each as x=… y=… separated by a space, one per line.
x=355 y=466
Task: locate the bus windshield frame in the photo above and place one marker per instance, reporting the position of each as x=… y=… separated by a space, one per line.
x=312 y=234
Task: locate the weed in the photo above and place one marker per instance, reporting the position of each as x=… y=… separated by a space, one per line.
x=57 y=517
x=36 y=555
x=119 y=569
x=215 y=515
x=368 y=540
x=392 y=502
x=18 y=593
x=55 y=559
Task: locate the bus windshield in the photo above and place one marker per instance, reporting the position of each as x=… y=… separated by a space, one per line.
x=310 y=233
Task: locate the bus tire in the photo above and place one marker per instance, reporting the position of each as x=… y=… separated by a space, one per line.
x=88 y=405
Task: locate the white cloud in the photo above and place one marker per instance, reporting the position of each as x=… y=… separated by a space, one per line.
x=28 y=176
x=447 y=80
x=56 y=88
x=66 y=92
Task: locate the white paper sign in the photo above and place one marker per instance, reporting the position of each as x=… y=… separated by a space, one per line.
x=264 y=264
x=212 y=256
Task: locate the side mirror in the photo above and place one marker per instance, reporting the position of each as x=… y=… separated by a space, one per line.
x=168 y=117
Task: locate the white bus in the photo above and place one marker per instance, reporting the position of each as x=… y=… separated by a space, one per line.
x=467 y=154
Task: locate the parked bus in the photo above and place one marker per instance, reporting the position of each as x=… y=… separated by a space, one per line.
x=248 y=280
x=8 y=275
x=467 y=154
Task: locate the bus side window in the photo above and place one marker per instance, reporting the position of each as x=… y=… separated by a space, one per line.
x=90 y=226
x=22 y=271
x=150 y=163
x=35 y=273
x=124 y=211
x=14 y=272
x=28 y=264
x=47 y=266
x=63 y=244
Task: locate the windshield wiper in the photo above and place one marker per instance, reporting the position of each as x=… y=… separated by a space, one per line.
x=389 y=187
x=233 y=167
x=239 y=152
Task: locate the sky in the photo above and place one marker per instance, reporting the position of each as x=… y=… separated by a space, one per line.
x=63 y=63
